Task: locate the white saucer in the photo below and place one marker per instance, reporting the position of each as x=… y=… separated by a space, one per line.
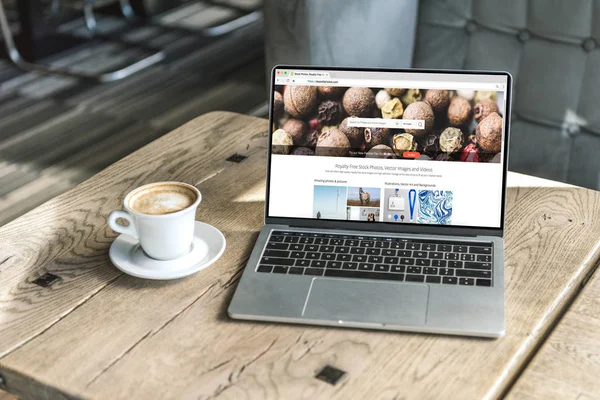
x=208 y=245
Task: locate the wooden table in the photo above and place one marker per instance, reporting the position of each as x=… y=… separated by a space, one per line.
x=101 y=334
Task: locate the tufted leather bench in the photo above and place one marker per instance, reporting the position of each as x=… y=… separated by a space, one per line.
x=551 y=48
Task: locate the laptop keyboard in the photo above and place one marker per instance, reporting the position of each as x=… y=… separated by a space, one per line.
x=378 y=257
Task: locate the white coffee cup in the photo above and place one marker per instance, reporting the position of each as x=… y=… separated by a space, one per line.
x=161 y=216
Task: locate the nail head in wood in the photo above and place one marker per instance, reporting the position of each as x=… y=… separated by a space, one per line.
x=330 y=374
x=47 y=279
x=237 y=158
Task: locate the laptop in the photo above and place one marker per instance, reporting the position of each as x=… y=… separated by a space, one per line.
x=385 y=201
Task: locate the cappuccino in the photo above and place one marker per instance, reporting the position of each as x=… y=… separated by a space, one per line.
x=162 y=198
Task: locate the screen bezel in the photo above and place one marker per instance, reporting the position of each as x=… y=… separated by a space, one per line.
x=384 y=226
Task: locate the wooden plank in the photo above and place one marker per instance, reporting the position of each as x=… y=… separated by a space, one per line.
x=568 y=364
x=132 y=338
x=6 y=396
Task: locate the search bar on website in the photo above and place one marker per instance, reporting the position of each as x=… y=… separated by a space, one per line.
x=386 y=123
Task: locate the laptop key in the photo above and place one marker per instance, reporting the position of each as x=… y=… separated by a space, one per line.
x=455 y=264
x=480 y=250
x=318 y=264
x=477 y=265
x=430 y=271
x=342 y=249
x=306 y=240
x=291 y=239
x=423 y=262
x=334 y=264
x=433 y=279
x=336 y=242
x=357 y=250
x=397 y=245
x=327 y=256
x=484 y=258
x=296 y=271
x=428 y=247
x=466 y=281
x=413 y=270
x=391 y=260
x=277 y=246
x=407 y=261
x=467 y=257
x=326 y=249
x=264 y=268
x=344 y=257
x=382 y=245
x=460 y=249
x=397 y=268
x=311 y=247
x=404 y=253
x=474 y=273
x=436 y=255
x=296 y=247
x=365 y=267
x=373 y=252
x=350 y=265
x=363 y=275
x=313 y=256
x=375 y=259
x=415 y=278
x=452 y=256
x=277 y=261
x=278 y=269
x=419 y=254
x=298 y=254
x=321 y=241
x=276 y=239
x=351 y=243
x=276 y=253
x=444 y=247
x=313 y=271
x=359 y=258
x=388 y=252
x=381 y=268
x=484 y=282
x=449 y=280
x=303 y=263
x=446 y=271
x=438 y=263
x=413 y=246
x=366 y=243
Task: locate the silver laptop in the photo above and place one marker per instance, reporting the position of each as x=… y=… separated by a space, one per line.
x=385 y=201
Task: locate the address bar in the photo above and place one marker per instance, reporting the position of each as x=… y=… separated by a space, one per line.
x=452 y=85
x=386 y=123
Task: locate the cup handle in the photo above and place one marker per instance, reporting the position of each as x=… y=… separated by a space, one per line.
x=127 y=230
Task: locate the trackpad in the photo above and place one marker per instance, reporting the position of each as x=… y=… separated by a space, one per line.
x=366 y=301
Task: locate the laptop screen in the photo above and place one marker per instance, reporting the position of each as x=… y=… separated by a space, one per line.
x=388 y=147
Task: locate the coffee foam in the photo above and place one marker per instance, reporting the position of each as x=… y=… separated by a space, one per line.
x=162 y=199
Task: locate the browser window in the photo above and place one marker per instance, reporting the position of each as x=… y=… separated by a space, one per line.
x=393 y=147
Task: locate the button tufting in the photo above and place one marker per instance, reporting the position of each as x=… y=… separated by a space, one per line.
x=470 y=26
x=589 y=44
x=524 y=35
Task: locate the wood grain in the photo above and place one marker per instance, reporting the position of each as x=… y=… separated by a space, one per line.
x=131 y=338
x=6 y=396
x=568 y=364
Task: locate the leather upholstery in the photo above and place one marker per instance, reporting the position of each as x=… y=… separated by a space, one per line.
x=552 y=50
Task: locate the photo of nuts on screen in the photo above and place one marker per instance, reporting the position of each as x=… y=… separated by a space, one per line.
x=390 y=123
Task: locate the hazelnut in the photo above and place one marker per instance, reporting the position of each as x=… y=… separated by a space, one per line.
x=489 y=133
x=459 y=112
x=359 y=101
x=411 y=96
x=381 y=98
x=484 y=108
x=300 y=101
x=277 y=105
x=297 y=129
x=395 y=91
x=485 y=94
x=303 y=151
x=331 y=92
x=419 y=110
x=354 y=134
x=451 y=140
x=376 y=136
x=439 y=100
x=329 y=112
x=403 y=142
x=466 y=94
x=392 y=109
x=333 y=143
x=380 y=151
x=281 y=142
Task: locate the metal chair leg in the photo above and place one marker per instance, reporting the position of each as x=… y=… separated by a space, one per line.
x=127 y=10
x=17 y=59
x=88 y=14
x=232 y=25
